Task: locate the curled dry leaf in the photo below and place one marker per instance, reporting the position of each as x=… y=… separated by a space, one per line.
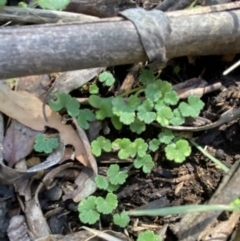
x=27 y=109
x=19 y=139
x=10 y=176
x=18 y=142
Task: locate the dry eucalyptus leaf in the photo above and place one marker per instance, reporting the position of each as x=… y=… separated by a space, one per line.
x=35 y=84
x=72 y=80
x=19 y=139
x=27 y=109
x=18 y=142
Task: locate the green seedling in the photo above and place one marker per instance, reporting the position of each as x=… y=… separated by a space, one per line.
x=104 y=106
x=44 y=144
x=3 y=2
x=101 y=143
x=116 y=176
x=88 y=210
x=107 y=78
x=98 y=205
x=125 y=110
x=44 y=4
x=159 y=103
x=122 y=219
x=72 y=106
x=93 y=89
x=52 y=4
x=145 y=112
x=145 y=162
x=130 y=149
x=192 y=108
x=149 y=236
x=178 y=151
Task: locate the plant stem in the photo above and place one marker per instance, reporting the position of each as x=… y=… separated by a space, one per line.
x=132 y=91
x=212 y=158
x=139 y=92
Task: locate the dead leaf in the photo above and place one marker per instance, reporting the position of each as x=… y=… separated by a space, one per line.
x=72 y=80
x=19 y=139
x=86 y=186
x=27 y=109
x=35 y=84
x=18 y=142
x=10 y=176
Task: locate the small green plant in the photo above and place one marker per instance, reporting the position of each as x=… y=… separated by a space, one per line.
x=3 y=2
x=93 y=89
x=149 y=236
x=52 y=4
x=158 y=103
x=101 y=143
x=65 y=101
x=91 y=208
x=122 y=219
x=44 y=144
x=107 y=78
x=161 y=104
x=45 y=4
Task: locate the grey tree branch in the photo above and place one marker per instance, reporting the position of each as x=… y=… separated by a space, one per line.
x=30 y=50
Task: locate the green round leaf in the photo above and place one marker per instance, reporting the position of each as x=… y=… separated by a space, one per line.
x=102 y=182
x=115 y=175
x=3 y=2
x=145 y=162
x=106 y=206
x=146 y=77
x=93 y=89
x=87 y=209
x=53 y=4
x=178 y=151
x=121 y=219
x=107 y=78
x=148 y=236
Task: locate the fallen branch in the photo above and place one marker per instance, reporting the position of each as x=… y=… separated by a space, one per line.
x=30 y=50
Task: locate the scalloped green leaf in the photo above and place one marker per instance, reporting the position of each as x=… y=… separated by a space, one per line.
x=178 y=151
x=107 y=205
x=53 y=4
